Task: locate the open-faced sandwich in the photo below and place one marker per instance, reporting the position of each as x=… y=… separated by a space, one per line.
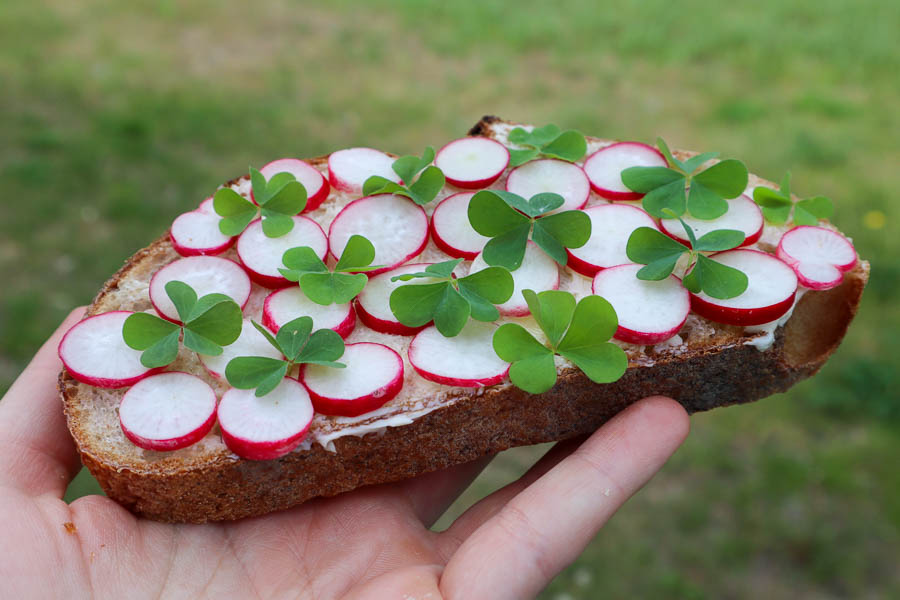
x=323 y=324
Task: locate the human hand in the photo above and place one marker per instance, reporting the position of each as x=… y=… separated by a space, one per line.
x=373 y=542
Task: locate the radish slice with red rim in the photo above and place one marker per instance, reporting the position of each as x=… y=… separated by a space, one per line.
x=770 y=293
x=373 y=305
x=819 y=256
x=373 y=375
x=291 y=303
x=262 y=255
x=207 y=207
x=94 y=352
x=348 y=169
x=551 y=175
x=197 y=233
x=250 y=343
x=206 y=275
x=467 y=360
x=538 y=272
x=611 y=226
x=743 y=215
x=168 y=411
x=472 y=163
x=649 y=312
x=396 y=226
x=316 y=186
x=604 y=168
x=451 y=230
x=267 y=427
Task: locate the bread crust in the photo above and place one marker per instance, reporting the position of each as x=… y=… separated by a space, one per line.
x=477 y=423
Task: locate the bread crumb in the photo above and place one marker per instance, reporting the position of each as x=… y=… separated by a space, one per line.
x=70 y=527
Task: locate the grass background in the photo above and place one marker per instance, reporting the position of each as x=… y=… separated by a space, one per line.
x=115 y=117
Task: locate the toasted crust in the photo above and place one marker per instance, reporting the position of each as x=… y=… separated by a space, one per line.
x=721 y=372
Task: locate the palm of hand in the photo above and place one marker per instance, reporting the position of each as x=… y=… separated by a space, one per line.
x=371 y=543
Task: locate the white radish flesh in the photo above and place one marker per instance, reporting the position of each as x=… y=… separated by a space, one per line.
x=267 y=427
x=743 y=215
x=396 y=226
x=538 y=272
x=206 y=275
x=466 y=360
x=611 y=226
x=250 y=343
x=472 y=163
x=373 y=375
x=291 y=303
x=819 y=256
x=451 y=230
x=348 y=169
x=649 y=312
x=316 y=186
x=262 y=255
x=604 y=168
x=168 y=411
x=197 y=233
x=551 y=175
x=94 y=352
x=770 y=292
x=373 y=305
x=207 y=207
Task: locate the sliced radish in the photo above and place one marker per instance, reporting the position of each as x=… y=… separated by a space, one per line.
x=206 y=275
x=819 y=256
x=267 y=427
x=348 y=169
x=316 y=186
x=649 y=312
x=771 y=288
x=743 y=215
x=472 y=163
x=196 y=233
x=611 y=226
x=467 y=360
x=207 y=207
x=451 y=230
x=291 y=303
x=538 y=272
x=373 y=375
x=168 y=411
x=551 y=175
x=94 y=352
x=396 y=226
x=250 y=343
x=373 y=305
x=262 y=255
x=604 y=168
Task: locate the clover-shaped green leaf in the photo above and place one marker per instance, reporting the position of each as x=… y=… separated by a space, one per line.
x=298 y=343
x=499 y=216
x=549 y=141
x=450 y=301
x=678 y=189
x=324 y=286
x=579 y=332
x=660 y=254
x=278 y=200
x=208 y=323
x=776 y=205
x=422 y=181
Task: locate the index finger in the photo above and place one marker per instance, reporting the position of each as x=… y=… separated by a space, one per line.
x=37 y=454
x=516 y=552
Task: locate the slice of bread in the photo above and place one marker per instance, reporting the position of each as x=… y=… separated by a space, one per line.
x=430 y=426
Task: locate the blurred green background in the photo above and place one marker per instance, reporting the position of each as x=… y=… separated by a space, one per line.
x=115 y=117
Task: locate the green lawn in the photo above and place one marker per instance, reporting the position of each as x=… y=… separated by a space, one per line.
x=115 y=117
